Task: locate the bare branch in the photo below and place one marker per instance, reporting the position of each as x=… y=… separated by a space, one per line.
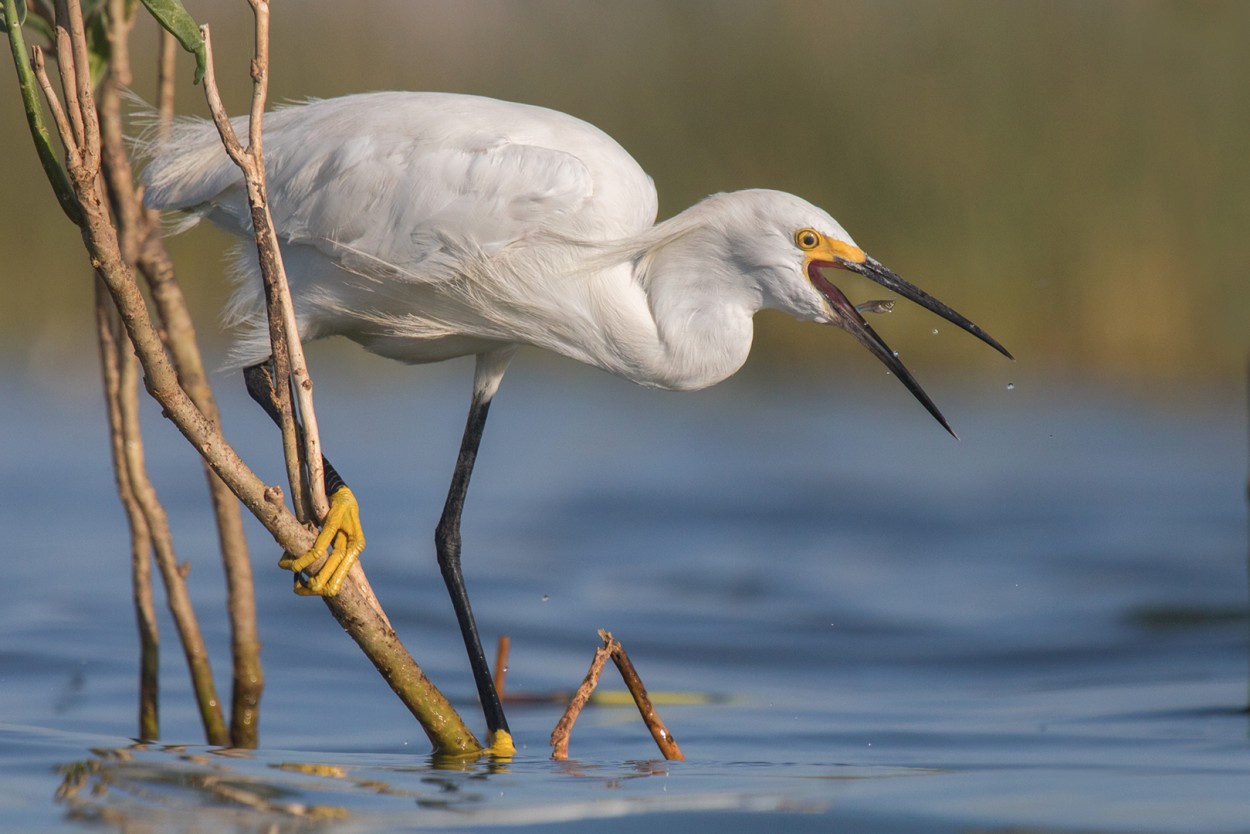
x=140 y=536
x=663 y=738
x=501 y=663
x=28 y=86
x=301 y=379
x=54 y=104
x=165 y=76
x=283 y=327
x=177 y=596
x=564 y=727
x=612 y=648
x=142 y=245
x=68 y=69
x=260 y=80
x=82 y=86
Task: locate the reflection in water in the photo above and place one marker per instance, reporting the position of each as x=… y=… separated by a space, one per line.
x=147 y=787
x=143 y=786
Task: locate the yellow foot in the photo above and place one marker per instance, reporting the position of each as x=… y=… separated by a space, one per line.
x=501 y=746
x=342 y=530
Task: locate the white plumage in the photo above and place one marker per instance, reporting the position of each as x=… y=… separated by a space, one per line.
x=428 y=225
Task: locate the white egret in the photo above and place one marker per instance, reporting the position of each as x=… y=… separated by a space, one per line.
x=426 y=226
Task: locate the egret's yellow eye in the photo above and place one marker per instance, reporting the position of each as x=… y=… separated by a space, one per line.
x=806 y=239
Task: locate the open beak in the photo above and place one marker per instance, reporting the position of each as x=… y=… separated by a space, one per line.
x=850 y=320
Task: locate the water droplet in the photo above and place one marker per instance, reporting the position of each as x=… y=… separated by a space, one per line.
x=1011 y=386
x=546 y=597
x=895 y=354
x=935 y=331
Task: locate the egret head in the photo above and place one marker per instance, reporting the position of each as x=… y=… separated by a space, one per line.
x=815 y=247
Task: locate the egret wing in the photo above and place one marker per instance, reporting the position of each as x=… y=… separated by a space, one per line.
x=407 y=185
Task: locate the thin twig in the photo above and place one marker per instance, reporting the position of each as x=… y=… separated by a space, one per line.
x=165 y=77
x=280 y=355
x=248 y=675
x=283 y=328
x=82 y=83
x=67 y=67
x=140 y=537
x=663 y=738
x=177 y=596
x=260 y=78
x=612 y=648
x=301 y=380
x=501 y=663
x=564 y=727
x=54 y=104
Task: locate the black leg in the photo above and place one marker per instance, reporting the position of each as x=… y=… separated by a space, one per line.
x=259 y=380
x=486 y=378
x=447 y=545
x=341 y=539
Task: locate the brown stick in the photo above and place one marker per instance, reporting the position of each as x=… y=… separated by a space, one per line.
x=67 y=68
x=612 y=648
x=140 y=242
x=283 y=328
x=501 y=663
x=166 y=69
x=269 y=258
x=248 y=675
x=663 y=738
x=177 y=596
x=354 y=607
x=116 y=167
x=140 y=536
x=143 y=245
x=564 y=727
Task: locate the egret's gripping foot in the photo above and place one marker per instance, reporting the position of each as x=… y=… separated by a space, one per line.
x=340 y=542
x=501 y=745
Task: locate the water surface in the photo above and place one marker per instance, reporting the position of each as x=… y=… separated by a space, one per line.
x=1041 y=626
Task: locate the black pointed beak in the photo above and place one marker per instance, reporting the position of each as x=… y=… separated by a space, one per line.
x=891 y=281
x=850 y=320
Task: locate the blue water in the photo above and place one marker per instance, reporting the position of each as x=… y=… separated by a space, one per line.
x=1041 y=626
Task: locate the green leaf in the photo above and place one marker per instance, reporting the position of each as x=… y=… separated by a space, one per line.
x=21 y=16
x=171 y=15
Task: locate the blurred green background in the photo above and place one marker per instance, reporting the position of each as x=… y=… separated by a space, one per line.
x=1071 y=175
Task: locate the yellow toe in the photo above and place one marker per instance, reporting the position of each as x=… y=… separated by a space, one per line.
x=339 y=543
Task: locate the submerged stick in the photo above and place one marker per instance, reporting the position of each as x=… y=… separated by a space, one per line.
x=141 y=244
x=663 y=738
x=156 y=266
x=501 y=663
x=140 y=537
x=564 y=727
x=177 y=596
x=612 y=648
